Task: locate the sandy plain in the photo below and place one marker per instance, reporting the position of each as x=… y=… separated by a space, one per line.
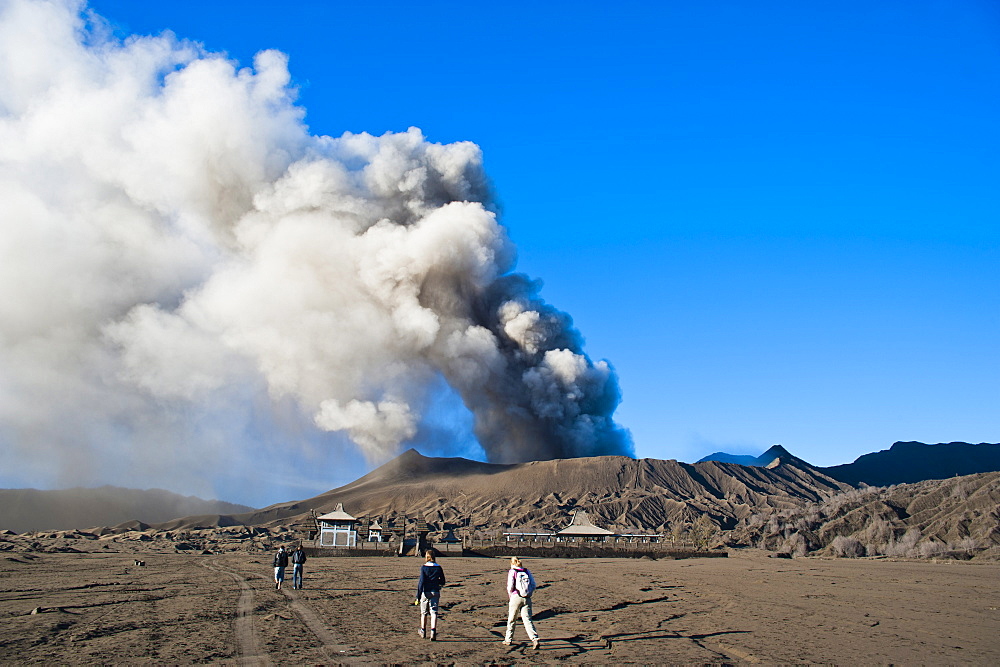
x=179 y=608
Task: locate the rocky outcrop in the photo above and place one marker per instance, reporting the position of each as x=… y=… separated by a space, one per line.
x=958 y=517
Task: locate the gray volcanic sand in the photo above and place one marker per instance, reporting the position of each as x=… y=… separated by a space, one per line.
x=100 y=607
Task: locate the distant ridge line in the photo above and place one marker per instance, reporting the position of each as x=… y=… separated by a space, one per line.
x=65 y=509
x=904 y=462
x=909 y=462
x=618 y=491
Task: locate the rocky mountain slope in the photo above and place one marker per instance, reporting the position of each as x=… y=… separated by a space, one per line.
x=904 y=462
x=788 y=506
x=959 y=516
x=619 y=492
x=32 y=509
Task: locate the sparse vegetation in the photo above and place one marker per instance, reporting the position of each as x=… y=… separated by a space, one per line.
x=954 y=518
x=704 y=532
x=846 y=547
x=678 y=533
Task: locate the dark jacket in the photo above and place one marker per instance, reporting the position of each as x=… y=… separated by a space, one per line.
x=431 y=579
x=281 y=559
x=298 y=557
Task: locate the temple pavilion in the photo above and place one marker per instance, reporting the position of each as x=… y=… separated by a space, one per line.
x=582 y=529
x=338 y=528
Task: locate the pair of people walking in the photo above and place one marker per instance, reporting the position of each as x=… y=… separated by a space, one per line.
x=298 y=558
x=520 y=586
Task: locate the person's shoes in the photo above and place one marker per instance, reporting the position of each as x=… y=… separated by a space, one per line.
x=277 y=586
x=421 y=633
x=506 y=643
x=534 y=644
x=434 y=635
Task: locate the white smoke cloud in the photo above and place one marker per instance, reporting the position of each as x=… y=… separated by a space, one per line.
x=177 y=250
x=376 y=427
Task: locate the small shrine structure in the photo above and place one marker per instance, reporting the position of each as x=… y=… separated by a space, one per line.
x=337 y=528
x=375 y=531
x=450 y=543
x=421 y=529
x=450 y=538
x=391 y=530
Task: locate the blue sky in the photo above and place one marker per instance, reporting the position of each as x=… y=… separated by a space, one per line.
x=779 y=221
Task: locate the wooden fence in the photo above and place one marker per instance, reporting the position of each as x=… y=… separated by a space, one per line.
x=594 y=550
x=611 y=542
x=610 y=547
x=539 y=548
x=407 y=547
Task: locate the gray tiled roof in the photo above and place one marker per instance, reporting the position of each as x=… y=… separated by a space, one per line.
x=582 y=525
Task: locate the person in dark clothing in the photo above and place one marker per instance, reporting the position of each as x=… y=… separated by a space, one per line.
x=429 y=593
x=280 y=563
x=298 y=561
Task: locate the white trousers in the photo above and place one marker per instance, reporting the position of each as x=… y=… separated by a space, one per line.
x=429 y=605
x=522 y=605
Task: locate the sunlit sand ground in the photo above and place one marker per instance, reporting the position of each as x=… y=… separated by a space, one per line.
x=102 y=608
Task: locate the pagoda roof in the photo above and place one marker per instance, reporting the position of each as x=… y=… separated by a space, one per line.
x=582 y=525
x=337 y=515
x=450 y=538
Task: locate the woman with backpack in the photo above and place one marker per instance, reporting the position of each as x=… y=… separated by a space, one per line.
x=520 y=586
x=428 y=594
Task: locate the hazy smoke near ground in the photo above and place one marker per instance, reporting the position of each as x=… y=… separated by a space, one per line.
x=178 y=252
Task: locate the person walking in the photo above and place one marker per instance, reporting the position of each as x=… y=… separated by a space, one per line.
x=298 y=560
x=280 y=563
x=520 y=586
x=429 y=594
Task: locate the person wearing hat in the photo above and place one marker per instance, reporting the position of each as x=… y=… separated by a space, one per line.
x=280 y=563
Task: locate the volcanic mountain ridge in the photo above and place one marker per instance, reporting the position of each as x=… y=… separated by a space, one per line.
x=903 y=463
x=617 y=491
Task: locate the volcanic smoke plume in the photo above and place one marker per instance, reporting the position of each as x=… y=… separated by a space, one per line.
x=179 y=252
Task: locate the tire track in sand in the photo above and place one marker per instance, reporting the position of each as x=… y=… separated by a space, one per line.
x=247 y=647
x=330 y=648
